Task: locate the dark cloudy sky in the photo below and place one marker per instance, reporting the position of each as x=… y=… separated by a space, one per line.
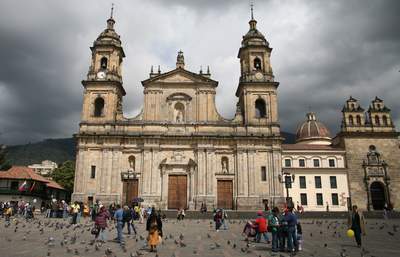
x=324 y=51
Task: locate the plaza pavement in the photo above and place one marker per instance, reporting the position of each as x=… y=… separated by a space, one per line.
x=321 y=238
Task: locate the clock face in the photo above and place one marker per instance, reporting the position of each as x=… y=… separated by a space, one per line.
x=259 y=75
x=101 y=74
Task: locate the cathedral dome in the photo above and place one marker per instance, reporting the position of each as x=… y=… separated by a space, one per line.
x=108 y=36
x=313 y=132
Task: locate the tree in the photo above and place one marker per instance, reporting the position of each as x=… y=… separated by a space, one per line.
x=4 y=164
x=64 y=175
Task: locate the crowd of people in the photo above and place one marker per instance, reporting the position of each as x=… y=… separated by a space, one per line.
x=278 y=227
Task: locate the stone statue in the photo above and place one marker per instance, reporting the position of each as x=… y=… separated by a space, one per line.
x=224 y=165
x=179 y=116
x=132 y=163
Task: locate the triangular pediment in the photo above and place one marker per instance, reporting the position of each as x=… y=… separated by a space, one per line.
x=179 y=76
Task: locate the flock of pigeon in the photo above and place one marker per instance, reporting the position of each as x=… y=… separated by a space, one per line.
x=56 y=237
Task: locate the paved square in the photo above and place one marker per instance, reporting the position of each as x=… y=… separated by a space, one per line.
x=321 y=238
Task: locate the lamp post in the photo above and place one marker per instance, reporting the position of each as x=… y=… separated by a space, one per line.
x=287 y=179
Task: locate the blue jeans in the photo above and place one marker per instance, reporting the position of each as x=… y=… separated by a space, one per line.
x=120 y=237
x=275 y=242
x=264 y=234
x=292 y=239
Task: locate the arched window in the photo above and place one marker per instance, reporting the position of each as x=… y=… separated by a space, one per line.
x=98 y=107
x=260 y=108
x=179 y=112
x=103 y=63
x=377 y=121
x=385 y=120
x=257 y=63
x=352 y=106
x=351 y=121
x=358 y=120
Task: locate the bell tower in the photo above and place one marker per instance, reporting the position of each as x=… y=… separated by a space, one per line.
x=257 y=90
x=102 y=99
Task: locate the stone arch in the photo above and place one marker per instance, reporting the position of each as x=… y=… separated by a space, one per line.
x=103 y=63
x=358 y=120
x=257 y=63
x=385 y=120
x=98 y=107
x=260 y=108
x=377 y=121
x=351 y=120
x=378 y=197
x=179 y=109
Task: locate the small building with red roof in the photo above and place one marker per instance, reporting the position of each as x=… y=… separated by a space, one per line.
x=21 y=183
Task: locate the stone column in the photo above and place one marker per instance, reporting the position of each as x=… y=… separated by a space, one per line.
x=201 y=172
x=251 y=172
x=239 y=172
x=147 y=172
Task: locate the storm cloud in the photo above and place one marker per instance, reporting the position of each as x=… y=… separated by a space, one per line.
x=324 y=51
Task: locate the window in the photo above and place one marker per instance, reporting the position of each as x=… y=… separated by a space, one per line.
x=351 y=121
x=333 y=181
x=263 y=173
x=303 y=199
x=302 y=180
x=98 y=107
x=335 y=199
x=385 y=120
x=302 y=163
x=331 y=163
x=93 y=172
x=320 y=200
x=288 y=163
x=377 y=122
x=318 y=183
x=103 y=63
x=316 y=162
x=257 y=63
x=260 y=108
x=358 y=120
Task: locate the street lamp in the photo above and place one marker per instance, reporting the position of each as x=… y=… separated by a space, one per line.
x=287 y=179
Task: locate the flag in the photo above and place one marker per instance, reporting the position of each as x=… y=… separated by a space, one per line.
x=23 y=186
x=33 y=185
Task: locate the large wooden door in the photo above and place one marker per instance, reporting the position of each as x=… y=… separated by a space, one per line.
x=177 y=191
x=130 y=190
x=225 y=194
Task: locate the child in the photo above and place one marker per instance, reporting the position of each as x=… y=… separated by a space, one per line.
x=299 y=236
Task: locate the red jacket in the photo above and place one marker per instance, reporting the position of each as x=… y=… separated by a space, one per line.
x=261 y=224
x=101 y=219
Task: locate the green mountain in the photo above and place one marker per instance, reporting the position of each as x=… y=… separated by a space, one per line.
x=61 y=150
x=56 y=150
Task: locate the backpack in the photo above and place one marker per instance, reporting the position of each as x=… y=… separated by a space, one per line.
x=126 y=215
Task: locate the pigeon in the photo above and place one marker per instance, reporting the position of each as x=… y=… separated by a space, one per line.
x=391 y=233
x=182 y=244
x=181 y=237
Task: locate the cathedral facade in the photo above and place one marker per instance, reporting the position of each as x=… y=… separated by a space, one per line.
x=179 y=152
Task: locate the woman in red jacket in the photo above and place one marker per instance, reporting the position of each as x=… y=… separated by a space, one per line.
x=101 y=223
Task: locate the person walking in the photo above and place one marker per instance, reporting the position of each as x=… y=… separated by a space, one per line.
x=224 y=219
x=128 y=219
x=356 y=222
x=75 y=211
x=218 y=219
x=119 y=220
x=261 y=227
x=101 y=224
x=154 y=227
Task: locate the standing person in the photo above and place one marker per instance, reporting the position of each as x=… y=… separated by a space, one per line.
x=75 y=211
x=218 y=219
x=275 y=228
x=327 y=207
x=282 y=231
x=291 y=220
x=357 y=224
x=119 y=219
x=154 y=227
x=224 y=218
x=261 y=227
x=299 y=232
x=101 y=224
x=128 y=219
x=65 y=209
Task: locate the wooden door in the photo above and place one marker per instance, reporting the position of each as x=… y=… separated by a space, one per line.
x=225 y=194
x=130 y=190
x=177 y=191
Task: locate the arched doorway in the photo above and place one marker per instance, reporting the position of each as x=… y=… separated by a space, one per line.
x=378 y=198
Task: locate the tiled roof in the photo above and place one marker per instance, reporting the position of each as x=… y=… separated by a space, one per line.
x=21 y=172
x=310 y=147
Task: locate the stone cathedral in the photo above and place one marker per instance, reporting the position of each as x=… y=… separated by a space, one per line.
x=179 y=152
